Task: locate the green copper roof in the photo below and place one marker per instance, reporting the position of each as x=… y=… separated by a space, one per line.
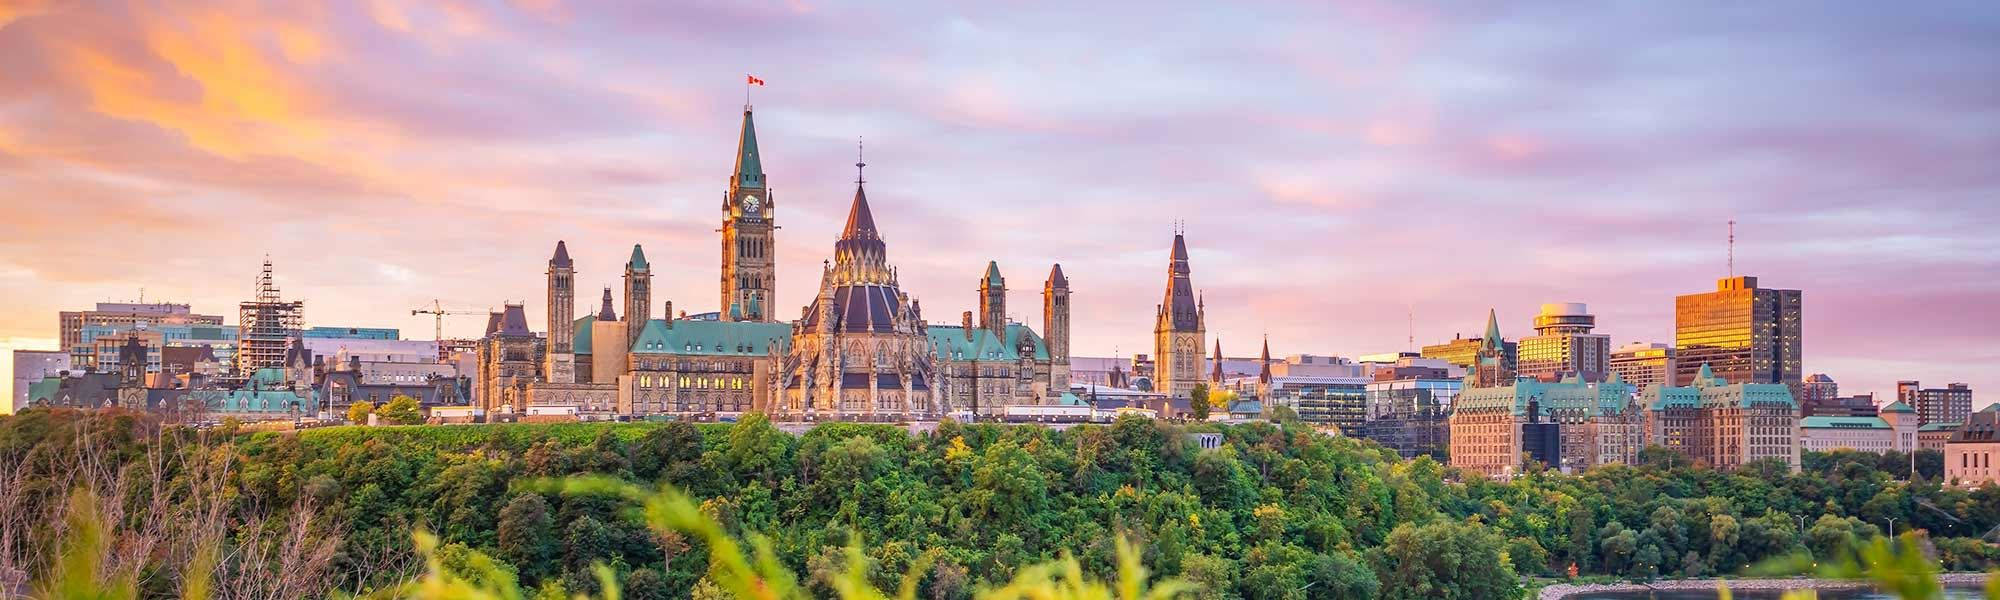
x=749 y=164
x=1939 y=427
x=1573 y=395
x=1821 y=422
x=713 y=338
x=993 y=273
x=951 y=344
x=638 y=258
x=1492 y=339
x=1898 y=407
x=43 y=390
x=581 y=341
x=268 y=377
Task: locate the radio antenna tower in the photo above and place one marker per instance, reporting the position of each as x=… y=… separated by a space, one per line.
x=1732 y=247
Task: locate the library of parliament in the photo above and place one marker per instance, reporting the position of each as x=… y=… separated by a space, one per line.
x=859 y=350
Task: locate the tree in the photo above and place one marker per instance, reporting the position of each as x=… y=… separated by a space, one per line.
x=358 y=411
x=1198 y=402
x=1445 y=560
x=401 y=410
x=525 y=536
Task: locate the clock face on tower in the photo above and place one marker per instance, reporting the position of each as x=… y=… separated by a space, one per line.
x=751 y=205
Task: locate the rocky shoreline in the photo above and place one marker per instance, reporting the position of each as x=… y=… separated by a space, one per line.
x=1561 y=591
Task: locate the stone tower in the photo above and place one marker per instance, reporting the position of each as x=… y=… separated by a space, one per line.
x=638 y=295
x=1178 y=331
x=993 y=300
x=560 y=363
x=1055 y=326
x=1489 y=365
x=749 y=253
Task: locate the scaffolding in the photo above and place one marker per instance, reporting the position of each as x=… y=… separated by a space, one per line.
x=266 y=327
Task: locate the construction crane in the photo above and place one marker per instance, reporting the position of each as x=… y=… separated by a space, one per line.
x=436 y=309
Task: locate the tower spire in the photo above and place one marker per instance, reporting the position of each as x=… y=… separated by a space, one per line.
x=1732 y=247
x=858 y=163
x=749 y=162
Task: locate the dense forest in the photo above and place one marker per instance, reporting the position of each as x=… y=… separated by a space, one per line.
x=1279 y=511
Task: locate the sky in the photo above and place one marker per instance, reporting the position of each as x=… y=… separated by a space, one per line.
x=1353 y=175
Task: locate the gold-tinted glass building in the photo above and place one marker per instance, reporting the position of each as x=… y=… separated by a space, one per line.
x=1744 y=333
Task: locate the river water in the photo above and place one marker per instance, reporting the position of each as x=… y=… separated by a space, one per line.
x=1949 y=593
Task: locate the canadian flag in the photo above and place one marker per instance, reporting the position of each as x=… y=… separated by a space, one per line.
x=752 y=80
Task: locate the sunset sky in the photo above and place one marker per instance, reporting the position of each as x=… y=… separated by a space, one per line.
x=1339 y=165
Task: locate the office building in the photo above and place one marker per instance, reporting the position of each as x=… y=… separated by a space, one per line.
x=1407 y=408
x=1643 y=365
x=1742 y=333
x=1563 y=345
x=1949 y=404
x=120 y=315
x=1895 y=430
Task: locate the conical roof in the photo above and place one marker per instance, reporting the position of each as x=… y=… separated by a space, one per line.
x=1215 y=369
x=1264 y=370
x=638 y=261
x=860 y=221
x=605 y=313
x=993 y=274
x=749 y=164
x=1056 y=279
x=561 y=259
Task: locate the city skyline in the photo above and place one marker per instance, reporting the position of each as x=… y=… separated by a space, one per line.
x=1415 y=173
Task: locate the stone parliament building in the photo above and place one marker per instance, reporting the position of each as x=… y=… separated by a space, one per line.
x=859 y=351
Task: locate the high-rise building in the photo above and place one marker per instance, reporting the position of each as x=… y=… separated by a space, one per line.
x=1462 y=351
x=83 y=355
x=749 y=248
x=1815 y=390
x=1741 y=332
x=1949 y=404
x=1644 y=365
x=1178 y=329
x=1407 y=406
x=1563 y=345
x=266 y=327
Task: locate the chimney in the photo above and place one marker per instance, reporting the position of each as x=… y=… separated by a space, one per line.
x=670 y=314
x=966 y=324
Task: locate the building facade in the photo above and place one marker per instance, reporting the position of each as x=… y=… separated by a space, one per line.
x=120 y=315
x=1644 y=365
x=1894 y=431
x=1969 y=454
x=1722 y=424
x=861 y=350
x=1407 y=409
x=1563 y=345
x=1179 y=328
x=1740 y=332
x=31 y=366
x=1492 y=365
x=1949 y=404
x=1593 y=423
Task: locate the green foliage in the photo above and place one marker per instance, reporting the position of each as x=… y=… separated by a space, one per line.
x=1445 y=560
x=400 y=410
x=1198 y=402
x=358 y=411
x=1279 y=511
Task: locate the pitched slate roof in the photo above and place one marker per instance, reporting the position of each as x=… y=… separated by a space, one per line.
x=561 y=259
x=1056 y=279
x=950 y=343
x=713 y=338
